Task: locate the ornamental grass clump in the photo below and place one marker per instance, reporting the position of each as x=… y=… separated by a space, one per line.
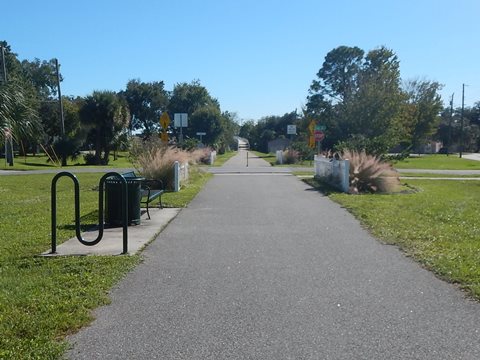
x=201 y=155
x=155 y=160
x=370 y=174
x=291 y=156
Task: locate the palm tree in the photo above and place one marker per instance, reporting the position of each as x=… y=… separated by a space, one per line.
x=107 y=115
x=18 y=116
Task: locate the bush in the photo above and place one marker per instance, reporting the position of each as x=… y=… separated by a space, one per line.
x=190 y=144
x=291 y=156
x=89 y=159
x=201 y=155
x=67 y=147
x=155 y=160
x=305 y=152
x=370 y=174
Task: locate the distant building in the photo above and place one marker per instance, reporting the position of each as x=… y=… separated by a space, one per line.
x=431 y=147
x=278 y=144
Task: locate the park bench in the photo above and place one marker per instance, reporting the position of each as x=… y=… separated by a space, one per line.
x=150 y=190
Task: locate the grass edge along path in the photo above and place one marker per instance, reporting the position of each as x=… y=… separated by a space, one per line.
x=223 y=158
x=437 y=162
x=41 y=162
x=437 y=225
x=44 y=299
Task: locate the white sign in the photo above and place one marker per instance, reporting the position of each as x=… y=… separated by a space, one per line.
x=180 y=120
x=201 y=133
x=292 y=129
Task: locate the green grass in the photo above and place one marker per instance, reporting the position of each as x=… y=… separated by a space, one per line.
x=181 y=199
x=430 y=175
x=44 y=299
x=437 y=225
x=223 y=158
x=438 y=161
x=272 y=159
x=40 y=162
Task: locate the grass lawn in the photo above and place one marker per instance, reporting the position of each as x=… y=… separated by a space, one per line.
x=40 y=162
x=438 y=161
x=437 y=225
x=43 y=299
x=223 y=158
x=272 y=159
x=430 y=175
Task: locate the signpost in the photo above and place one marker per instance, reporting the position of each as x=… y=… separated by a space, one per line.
x=180 y=120
x=164 y=121
x=291 y=130
x=201 y=134
x=317 y=134
x=311 y=138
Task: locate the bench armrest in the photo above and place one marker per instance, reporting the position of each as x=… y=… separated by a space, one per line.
x=152 y=184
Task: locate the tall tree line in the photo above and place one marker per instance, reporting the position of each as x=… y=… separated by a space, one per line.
x=365 y=105
x=103 y=120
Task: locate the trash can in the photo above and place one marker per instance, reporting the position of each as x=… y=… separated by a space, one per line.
x=113 y=200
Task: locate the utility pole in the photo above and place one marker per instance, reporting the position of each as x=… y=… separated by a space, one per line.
x=450 y=125
x=4 y=66
x=62 y=120
x=7 y=131
x=461 y=120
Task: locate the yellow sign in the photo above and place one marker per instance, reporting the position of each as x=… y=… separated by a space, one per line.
x=311 y=141
x=311 y=126
x=165 y=120
x=164 y=136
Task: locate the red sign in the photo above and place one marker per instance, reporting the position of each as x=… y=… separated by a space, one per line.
x=319 y=135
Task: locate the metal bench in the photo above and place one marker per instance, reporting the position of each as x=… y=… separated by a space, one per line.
x=150 y=190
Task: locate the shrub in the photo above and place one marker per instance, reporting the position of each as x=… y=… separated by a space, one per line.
x=370 y=174
x=90 y=159
x=291 y=156
x=190 y=144
x=201 y=155
x=155 y=160
x=305 y=152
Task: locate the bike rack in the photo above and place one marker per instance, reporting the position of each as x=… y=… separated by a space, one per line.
x=101 y=217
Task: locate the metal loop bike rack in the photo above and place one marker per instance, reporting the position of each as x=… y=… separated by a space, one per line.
x=101 y=216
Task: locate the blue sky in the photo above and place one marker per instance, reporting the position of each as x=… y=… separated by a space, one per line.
x=258 y=57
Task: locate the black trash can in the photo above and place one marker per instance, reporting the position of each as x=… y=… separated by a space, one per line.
x=113 y=200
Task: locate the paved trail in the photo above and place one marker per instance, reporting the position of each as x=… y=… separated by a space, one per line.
x=259 y=266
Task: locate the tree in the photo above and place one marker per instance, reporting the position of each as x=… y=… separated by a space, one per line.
x=375 y=113
x=337 y=78
x=230 y=128
x=247 y=130
x=107 y=115
x=424 y=107
x=187 y=98
x=359 y=99
x=207 y=119
x=203 y=111
x=42 y=76
x=18 y=111
x=146 y=102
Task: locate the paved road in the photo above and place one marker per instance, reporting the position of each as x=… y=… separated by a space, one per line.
x=260 y=266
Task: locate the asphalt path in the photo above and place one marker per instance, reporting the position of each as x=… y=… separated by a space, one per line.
x=260 y=266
